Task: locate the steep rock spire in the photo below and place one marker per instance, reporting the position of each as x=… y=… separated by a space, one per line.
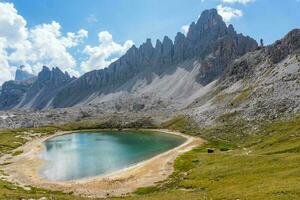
x=167 y=50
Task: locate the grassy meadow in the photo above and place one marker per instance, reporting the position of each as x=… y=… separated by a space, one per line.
x=257 y=160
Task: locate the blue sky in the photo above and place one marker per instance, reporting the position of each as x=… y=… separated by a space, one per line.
x=136 y=20
x=141 y=19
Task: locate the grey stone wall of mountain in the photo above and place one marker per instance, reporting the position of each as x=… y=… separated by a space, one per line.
x=261 y=85
x=179 y=47
x=209 y=42
x=170 y=72
x=35 y=93
x=282 y=48
x=13 y=93
x=22 y=75
x=272 y=54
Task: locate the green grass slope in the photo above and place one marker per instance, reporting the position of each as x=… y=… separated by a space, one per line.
x=251 y=161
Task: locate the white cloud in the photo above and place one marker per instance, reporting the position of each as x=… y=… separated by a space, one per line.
x=105 y=53
x=73 y=39
x=238 y=1
x=12 y=26
x=41 y=45
x=45 y=45
x=185 y=29
x=91 y=19
x=6 y=71
x=229 y=13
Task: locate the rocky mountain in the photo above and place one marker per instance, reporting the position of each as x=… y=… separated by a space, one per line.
x=228 y=78
x=22 y=75
x=169 y=73
x=35 y=93
x=264 y=84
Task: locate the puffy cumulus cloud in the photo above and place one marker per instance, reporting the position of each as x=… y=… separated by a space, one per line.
x=47 y=46
x=12 y=26
x=41 y=45
x=185 y=29
x=229 y=13
x=238 y=1
x=6 y=72
x=106 y=52
x=73 y=39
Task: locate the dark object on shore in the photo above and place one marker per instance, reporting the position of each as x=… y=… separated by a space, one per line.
x=224 y=149
x=210 y=150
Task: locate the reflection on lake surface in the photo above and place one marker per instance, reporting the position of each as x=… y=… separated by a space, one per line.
x=81 y=155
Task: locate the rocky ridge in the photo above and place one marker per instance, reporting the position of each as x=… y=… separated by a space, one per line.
x=264 y=84
x=209 y=42
x=190 y=63
x=34 y=93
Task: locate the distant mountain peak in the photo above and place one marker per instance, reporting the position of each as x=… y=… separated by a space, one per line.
x=209 y=14
x=54 y=76
x=22 y=75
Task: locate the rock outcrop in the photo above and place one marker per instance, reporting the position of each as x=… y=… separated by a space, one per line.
x=282 y=48
x=272 y=54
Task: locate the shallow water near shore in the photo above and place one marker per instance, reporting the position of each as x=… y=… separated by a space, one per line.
x=82 y=155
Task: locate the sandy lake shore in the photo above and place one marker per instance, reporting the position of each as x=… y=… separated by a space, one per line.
x=24 y=168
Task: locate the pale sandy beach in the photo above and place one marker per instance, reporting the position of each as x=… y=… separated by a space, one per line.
x=24 y=171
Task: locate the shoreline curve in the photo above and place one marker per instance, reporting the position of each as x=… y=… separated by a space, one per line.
x=24 y=170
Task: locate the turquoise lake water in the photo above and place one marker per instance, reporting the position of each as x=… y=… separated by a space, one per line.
x=87 y=154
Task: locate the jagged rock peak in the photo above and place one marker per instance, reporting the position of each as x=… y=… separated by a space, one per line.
x=231 y=29
x=131 y=51
x=179 y=47
x=146 y=49
x=55 y=75
x=158 y=44
x=210 y=22
x=147 y=44
x=210 y=17
x=167 y=40
x=22 y=75
x=55 y=70
x=179 y=39
x=179 y=35
x=281 y=48
x=45 y=73
x=58 y=71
